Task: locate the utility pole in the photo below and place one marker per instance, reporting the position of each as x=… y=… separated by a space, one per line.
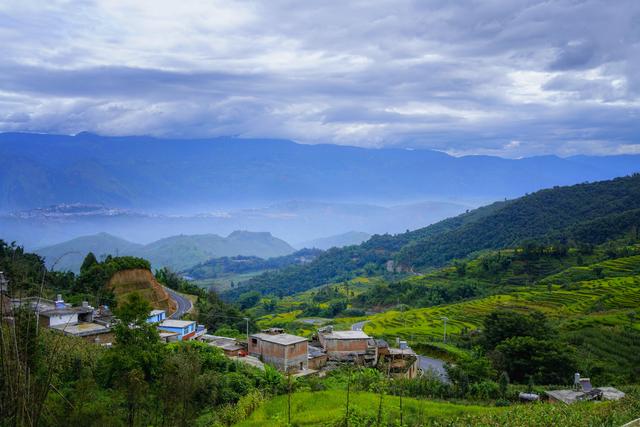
x=288 y=398
x=444 y=335
x=246 y=319
x=401 y=389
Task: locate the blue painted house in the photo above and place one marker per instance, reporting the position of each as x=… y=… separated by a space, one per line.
x=186 y=329
x=156 y=316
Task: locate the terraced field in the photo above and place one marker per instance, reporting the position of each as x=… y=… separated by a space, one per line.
x=602 y=302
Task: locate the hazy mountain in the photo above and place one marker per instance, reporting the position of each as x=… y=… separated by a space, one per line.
x=70 y=254
x=142 y=172
x=176 y=252
x=293 y=221
x=337 y=241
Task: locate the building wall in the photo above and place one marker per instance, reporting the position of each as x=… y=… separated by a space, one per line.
x=156 y=318
x=297 y=356
x=290 y=357
x=184 y=333
x=318 y=362
x=56 y=320
x=103 y=338
x=345 y=346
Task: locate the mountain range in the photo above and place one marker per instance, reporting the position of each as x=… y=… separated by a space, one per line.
x=39 y=170
x=176 y=252
x=295 y=221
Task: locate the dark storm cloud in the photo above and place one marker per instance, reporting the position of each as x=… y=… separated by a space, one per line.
x=502 y=77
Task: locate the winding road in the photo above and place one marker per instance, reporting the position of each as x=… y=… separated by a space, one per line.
x=184 y=305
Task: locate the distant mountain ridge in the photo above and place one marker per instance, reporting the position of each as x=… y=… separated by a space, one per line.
x=39 y=170
x=337 y=241
x=177 y=252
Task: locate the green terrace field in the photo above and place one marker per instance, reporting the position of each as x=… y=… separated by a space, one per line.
x=602 y=302
x=596 y=315
x=328 y=407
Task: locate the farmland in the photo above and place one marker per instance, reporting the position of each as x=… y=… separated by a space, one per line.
x=327 y=407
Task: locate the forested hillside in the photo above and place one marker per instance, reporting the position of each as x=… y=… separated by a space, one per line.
x=219 y=267
x=588 y=213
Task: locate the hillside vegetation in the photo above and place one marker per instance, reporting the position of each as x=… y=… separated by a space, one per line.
x=225 y=266
x=588 y=213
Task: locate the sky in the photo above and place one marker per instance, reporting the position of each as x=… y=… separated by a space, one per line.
x=509 y=78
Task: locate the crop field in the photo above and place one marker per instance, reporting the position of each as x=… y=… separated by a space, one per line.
x=603 y=302
x=328 y=407
x=582 y=414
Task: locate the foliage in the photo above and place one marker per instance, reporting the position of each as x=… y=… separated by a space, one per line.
x=175 y=281
x=93 y=279
x=215 y=314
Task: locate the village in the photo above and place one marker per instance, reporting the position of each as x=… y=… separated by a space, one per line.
x=291 y=354
x=298 y=356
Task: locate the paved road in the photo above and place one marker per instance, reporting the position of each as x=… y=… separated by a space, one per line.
x=358 y=326
x=183 y=303
x=431 y=364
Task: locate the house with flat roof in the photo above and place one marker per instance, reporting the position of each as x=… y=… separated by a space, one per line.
x=286 y=352
x=229 y=346
x=348 y=345
x=89 y=331
x=64 y=314
x=186 y=329
x=156 y=316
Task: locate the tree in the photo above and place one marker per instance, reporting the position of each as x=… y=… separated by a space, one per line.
x=548 y=362
x=135 y=311
x=501 y=325
x=89 y=261
x=249 y=299
x=470 y=369
x=503 y=383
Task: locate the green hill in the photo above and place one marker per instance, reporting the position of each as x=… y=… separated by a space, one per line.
x=176 y=252
x=225 y=266
x=592 y=212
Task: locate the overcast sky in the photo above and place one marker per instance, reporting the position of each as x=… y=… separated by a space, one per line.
x=511 y=78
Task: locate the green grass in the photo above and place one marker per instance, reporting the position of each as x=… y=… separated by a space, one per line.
x=328 y=407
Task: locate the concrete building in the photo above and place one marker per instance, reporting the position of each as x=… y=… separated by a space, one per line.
x=229 y=346
x=186 y=329
x=63 y=314
x=167 y=337
x=287 y=353
x=156 y=316
x=403 y=362
x=347 y=345
x=317 y=358
x=89 y=331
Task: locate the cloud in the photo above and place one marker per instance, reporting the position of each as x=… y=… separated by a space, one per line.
x=510 y=77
